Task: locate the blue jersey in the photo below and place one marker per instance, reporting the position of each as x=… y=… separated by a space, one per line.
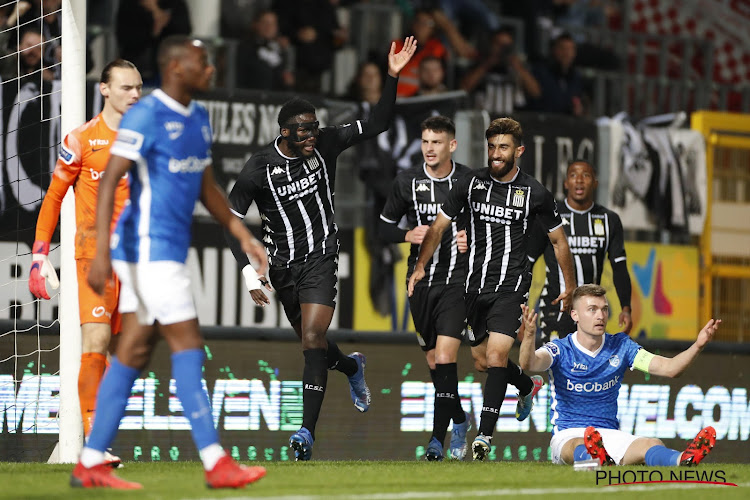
x=584 y=384
x=171 y=147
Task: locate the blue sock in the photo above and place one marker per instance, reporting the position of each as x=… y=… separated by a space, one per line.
x=111 y=401
x=187 y=372
x=580 y=453
x=661 y=455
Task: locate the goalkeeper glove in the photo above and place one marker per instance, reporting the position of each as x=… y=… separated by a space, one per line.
x=42 y=271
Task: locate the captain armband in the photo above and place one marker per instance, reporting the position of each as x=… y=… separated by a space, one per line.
x=642 y=360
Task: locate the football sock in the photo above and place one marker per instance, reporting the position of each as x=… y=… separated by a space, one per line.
x=518 y=378
x=314 y=379
x=661 y=455
x=114 y=392
x=89 y=377
x=446 y=394
x=580 y=453
x=494 y=394
x=433 y=374
x=210 y=455
x=337 y=360
x=187 y=371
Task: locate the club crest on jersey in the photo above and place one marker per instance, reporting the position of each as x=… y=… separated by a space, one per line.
x=422 y=187
x=174 y=129
x=312 y=163
x=598 y=227
x=518 y=198
x=277 y=170
x=614 y=360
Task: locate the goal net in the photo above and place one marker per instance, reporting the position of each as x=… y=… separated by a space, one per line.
x=35 y=399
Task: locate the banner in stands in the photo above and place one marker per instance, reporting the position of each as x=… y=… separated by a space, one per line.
x=660 y=179
x=664 y=298
x=552 y=142
x=255 y=391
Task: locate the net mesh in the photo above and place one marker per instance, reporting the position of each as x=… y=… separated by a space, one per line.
x=30 y=97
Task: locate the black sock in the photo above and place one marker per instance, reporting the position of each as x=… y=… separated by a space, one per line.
x=433 y=374
x=314 y=378
x=446 y=395
x=494 y=394
x=337 y=360
x=518 y=378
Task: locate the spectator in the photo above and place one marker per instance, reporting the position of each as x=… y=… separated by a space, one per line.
x=314 y=31
x=142 y=25
x=560 y=81
x=500 y=80
x=425 y=27
x=262 y=58
x=431 y=76
x=237 y=15
x=30 y=57
x=42 y=17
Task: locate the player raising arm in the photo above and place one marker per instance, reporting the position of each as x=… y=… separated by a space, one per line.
x=587 y=369
x=292 y=182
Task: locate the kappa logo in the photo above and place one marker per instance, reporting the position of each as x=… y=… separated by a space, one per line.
x=263 y=217
x=423 y=187
x=277 y=170
x=267 y=239
x=566 y=222
x=480 y=185
x=518 y=198
x=174 y=129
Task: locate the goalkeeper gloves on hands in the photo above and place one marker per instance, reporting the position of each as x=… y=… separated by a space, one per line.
x=42 y=271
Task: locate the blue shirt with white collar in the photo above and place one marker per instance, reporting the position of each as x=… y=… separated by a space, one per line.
x=584 y=384
x=171 y=147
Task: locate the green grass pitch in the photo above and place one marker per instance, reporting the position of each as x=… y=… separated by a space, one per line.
x=376 y=481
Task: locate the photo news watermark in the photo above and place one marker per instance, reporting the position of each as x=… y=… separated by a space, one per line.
x=615 y=477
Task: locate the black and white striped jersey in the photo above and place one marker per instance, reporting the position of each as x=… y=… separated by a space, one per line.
x=295 y=195
x=501 y=215
x=418 y=195
x=592 y=234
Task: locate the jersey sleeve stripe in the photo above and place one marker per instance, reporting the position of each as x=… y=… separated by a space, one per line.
x=621 y=259
x=125 y=153
x=359 y=126
x=386 y=219
x=241 y=216
x=552 y=229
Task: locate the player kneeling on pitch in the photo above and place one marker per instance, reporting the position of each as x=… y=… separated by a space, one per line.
x=586 y=369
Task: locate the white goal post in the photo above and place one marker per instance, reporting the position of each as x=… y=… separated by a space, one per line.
x=73 y=114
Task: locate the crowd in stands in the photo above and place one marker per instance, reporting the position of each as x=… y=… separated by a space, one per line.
x=290 y=44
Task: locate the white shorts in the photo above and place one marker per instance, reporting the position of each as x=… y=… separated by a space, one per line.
x=615 y=441
x=155 y=291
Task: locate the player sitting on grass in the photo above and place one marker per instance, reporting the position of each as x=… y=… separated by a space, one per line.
x=586 y=370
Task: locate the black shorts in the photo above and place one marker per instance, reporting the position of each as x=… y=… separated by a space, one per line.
x=438 y=310
x=555 y=323
x=494 y=312
x=312 y=281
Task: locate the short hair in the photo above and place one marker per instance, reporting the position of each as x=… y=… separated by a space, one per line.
x=440 y=123
x=562 y=37
x=171 y=48
x=505 y=126
x=117 y=63
x=581 y=160
x=589 y=290
x=427 y=59
x=293 y=107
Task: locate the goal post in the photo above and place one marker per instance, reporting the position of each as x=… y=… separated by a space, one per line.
x=73 y=79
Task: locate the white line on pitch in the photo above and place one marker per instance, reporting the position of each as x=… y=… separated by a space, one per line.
x=483 y=493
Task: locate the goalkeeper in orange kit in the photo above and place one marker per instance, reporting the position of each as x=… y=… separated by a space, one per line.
x=83 y=158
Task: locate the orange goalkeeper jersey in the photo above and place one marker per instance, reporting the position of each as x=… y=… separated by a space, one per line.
x=83 y=157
